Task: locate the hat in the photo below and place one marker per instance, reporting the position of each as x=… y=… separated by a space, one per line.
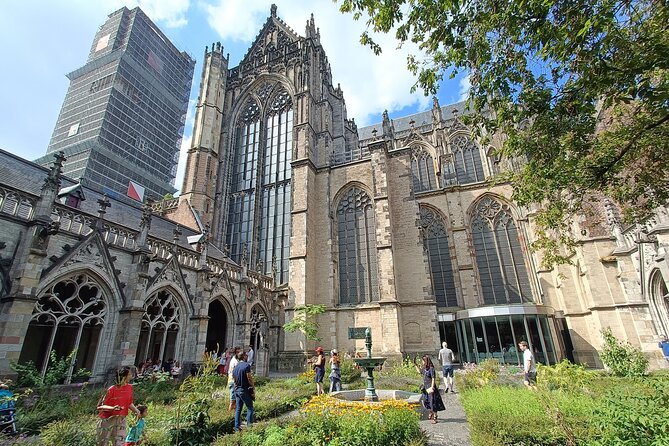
x=319 y=349
x=334 y=351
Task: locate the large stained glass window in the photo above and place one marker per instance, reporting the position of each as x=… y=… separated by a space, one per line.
x=499 y=256
x=259 y=216
x=468 y=165
x=276 y=192
x=422 y=171
x=242 y=199
x=356 y=235
x=435 y=243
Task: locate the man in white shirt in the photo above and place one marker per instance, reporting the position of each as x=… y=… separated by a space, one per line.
x=447 y=357
x=529 y=365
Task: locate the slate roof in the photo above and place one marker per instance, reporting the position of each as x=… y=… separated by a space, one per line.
x=27 y=176
x=422 y=118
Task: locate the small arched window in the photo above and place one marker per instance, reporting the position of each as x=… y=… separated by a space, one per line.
x=356 y=235
x=468 y=165
x=435 y=243
x=499 y=256
x=422 y=171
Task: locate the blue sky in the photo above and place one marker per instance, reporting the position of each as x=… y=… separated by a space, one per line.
x=43 y=40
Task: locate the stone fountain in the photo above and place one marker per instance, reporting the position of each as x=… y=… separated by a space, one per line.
x=369 y=363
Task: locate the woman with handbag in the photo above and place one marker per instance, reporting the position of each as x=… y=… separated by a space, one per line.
x=431 y=397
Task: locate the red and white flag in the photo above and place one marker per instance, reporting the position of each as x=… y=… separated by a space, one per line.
x=136 y=191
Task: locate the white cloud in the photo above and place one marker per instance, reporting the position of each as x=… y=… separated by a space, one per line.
x=370 y=83
x=170 y=13
x=464 y=86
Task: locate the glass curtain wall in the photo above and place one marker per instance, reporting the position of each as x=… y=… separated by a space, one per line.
x=497 y=337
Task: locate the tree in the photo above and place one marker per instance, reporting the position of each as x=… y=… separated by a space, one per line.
x=579 y=89
x=303 y=321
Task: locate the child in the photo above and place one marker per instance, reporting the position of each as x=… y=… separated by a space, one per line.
x=135 y=434
x=113 y=410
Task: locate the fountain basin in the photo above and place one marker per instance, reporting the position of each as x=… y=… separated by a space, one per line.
x=369 y=362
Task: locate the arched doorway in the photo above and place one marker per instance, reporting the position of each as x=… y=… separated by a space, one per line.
x=68 y=317
x=217 y=327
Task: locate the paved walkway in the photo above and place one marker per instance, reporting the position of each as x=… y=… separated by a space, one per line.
x=452 y=428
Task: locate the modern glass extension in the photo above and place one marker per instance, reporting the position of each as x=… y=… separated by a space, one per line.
x=493 y=332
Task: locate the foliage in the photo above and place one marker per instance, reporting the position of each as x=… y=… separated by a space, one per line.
x=56 y=372
x=622 y=358
x=327 y=421
x=580 y=91
x=563 y=376
x=69 y=433
x=190 y=426
x=303 y=320
x=635 y=414
x=474 y=376
x=516 y=416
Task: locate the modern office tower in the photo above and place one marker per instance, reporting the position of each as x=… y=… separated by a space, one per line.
x=123 y=116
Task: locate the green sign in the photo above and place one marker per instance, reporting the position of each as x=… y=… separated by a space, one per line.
x=356 y=332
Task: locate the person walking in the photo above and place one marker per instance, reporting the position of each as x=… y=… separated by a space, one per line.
x=447 y=357
x=319 y=367
x=529 y=365
x=431 y=398
x=244 y=391
x=114 y=408
x=335 y=372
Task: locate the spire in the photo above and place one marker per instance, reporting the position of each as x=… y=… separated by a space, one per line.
x=272 y=10
x=436 y=111
x=52 y=181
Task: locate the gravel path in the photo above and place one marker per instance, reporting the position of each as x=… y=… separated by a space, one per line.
x=452 y=428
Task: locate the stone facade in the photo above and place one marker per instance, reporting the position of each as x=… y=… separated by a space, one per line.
x=117 y=283
x=286 y=202
x=331 y=156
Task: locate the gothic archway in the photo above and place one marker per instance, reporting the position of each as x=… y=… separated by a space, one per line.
x=217 y=327
x=659 y=298
x=68 y=316
x=158 y=338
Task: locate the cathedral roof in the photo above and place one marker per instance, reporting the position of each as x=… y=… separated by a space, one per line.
x=28 y=177
x=420 y=119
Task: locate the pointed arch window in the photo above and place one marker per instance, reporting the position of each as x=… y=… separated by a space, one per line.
x=499 y=256
x=242 y=198
x=356 y=235
x=68 y=316
x=160 y=327
x=435 y=243
x=468 y=165
x=422 y=171
x=274 y=237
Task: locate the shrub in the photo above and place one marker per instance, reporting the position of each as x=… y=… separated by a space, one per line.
x=512 y=416
x=563 y=376
x=622 y=358
x=349 y=371
x=474 y=376
x=636 y=414
x=56 y=372
x=70 y=432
